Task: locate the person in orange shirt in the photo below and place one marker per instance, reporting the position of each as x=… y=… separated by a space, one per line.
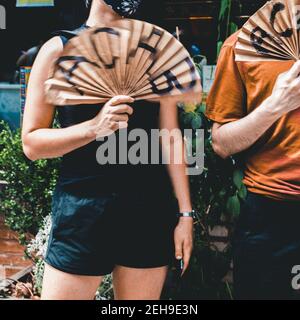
x=255 y=107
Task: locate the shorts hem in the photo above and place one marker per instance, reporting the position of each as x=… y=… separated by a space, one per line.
x=144 y=266
x=77 y=271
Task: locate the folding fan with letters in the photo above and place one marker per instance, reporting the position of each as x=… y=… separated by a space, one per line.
x=129 y=57
x=272 y=33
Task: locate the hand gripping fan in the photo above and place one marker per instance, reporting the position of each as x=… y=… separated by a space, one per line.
x=272 y=33
x=129 y=57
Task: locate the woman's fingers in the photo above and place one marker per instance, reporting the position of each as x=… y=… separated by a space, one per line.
x=120 y=118
x=187 y=253
x=183 y=241
x=120 y=100
x=123 y=125
x=178 y=249
x=122 y=108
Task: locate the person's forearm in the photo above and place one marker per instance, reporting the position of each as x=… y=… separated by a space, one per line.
x=237 y=136
x=180 y=182
x=53 y=143
x=177 y=173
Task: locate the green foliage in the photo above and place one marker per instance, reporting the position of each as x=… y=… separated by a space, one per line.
x=38 y=275
x=221 y=179
x=105 y=291
x=225 y=6
x=226 y=26
x=26 y=198
x=219 y=47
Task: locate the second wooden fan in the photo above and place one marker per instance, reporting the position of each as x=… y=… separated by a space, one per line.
x=272 y=33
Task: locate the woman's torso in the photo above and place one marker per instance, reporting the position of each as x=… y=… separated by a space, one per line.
x=80 y=167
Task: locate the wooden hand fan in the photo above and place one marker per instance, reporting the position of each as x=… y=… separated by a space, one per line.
x=272 y=33
x=129 y=57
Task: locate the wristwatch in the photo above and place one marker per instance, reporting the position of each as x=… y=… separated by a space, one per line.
x=191 y=214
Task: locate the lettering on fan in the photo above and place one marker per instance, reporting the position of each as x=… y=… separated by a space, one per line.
x=258 y=35
x=172 y=80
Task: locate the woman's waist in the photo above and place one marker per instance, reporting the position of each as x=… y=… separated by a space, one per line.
x=90 y=166
x=114 y=176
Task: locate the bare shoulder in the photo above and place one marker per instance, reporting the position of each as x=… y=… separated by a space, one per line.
x=50 y=51
x=43 y=63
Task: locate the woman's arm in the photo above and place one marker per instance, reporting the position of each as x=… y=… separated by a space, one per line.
x=177 y=170
x=39 y=139
x=174 y=149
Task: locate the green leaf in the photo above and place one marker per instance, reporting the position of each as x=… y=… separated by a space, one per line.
x=188 y=118
x=233 y=206
x=196 y=122
x=219 y=47
x=243 y=192
x=202 y=108
x=233 y=28
x=238 y=177
x=224 y=6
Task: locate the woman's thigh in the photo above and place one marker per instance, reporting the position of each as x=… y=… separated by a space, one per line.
x=138 y=284
x=58 y=285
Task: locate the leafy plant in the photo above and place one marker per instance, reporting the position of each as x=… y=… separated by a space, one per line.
x=26 y=197
x=36 y=250
x=226 y=26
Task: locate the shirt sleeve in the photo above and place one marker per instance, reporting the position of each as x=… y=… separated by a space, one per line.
x=226 y=101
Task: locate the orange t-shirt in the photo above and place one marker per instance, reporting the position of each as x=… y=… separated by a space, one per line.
x=273 y=162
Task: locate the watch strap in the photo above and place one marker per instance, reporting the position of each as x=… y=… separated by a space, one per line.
x=190 y=214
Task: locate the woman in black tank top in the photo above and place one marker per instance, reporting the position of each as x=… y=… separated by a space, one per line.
x=119 y=218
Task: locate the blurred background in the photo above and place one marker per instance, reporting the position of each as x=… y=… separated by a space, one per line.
x=197 y=20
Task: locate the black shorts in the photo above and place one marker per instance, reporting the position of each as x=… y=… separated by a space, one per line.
x=92 y=233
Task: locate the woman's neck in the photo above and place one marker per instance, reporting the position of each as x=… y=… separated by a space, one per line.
x=101 y=14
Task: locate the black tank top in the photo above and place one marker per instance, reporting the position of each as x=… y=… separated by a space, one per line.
x=80 y=168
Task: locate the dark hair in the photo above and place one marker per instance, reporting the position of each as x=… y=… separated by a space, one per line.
x=72 y=13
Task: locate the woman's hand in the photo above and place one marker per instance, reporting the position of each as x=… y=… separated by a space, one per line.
x=184 y=237
x=112 y=117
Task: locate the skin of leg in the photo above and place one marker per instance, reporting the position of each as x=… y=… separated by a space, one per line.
x=138 y=284
x=58 y=285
